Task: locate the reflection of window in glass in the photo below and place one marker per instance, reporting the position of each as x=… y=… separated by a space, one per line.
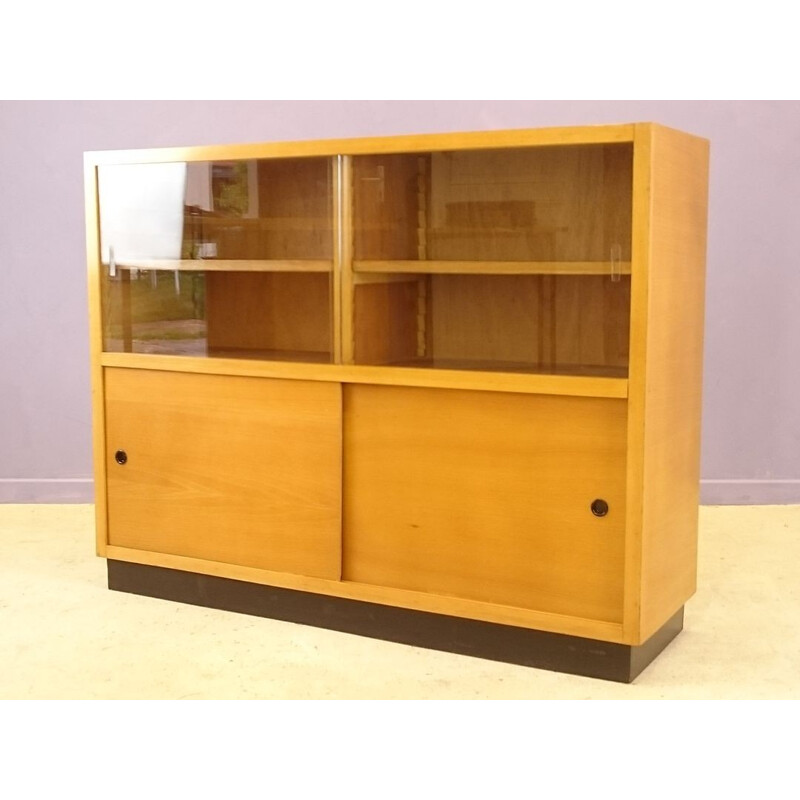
x=141 y=212
x=229 y=188
x=223 y=188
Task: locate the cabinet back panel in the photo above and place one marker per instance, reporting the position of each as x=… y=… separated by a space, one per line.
x=488 y=318
x=272 y=311
x=486 y=496
x=245 y=471
x=536 y=323
x=267 y=209
x=227 y=209
x=569 y=204
x=545 y=204
x=278 y=315
x=296 y=194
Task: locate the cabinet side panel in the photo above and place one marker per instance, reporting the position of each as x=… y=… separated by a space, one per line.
x=674 y=356
x=385 y=322
x=385 y=207
x=96 y=350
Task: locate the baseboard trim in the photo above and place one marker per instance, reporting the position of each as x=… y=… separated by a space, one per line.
x=46 y=490
x=551 y=651
x=749 y=492
x=713 y=492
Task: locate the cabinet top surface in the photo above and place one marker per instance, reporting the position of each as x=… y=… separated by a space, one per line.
x=529 y=137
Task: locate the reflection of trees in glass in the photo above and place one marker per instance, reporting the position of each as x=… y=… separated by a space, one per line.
x=153 y=298
x=229 y=188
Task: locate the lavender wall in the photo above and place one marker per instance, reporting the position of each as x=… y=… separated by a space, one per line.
x=751 y=433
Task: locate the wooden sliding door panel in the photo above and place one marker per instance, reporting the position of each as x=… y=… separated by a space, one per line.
x=239 y=470
x=486 y=496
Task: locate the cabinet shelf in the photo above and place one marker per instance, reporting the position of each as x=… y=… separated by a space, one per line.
x=485 y=365
x=493 y=267
x=293 y=356
x=319 y=367
x=229 y=265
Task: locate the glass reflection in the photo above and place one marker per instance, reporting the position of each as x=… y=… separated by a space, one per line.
x=186 y=248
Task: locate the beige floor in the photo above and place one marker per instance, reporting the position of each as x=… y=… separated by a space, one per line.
x=64 y=635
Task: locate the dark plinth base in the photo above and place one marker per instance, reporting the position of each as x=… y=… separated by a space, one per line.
x=553 y=651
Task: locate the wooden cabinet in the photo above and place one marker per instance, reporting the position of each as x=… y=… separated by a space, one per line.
x=441 y=389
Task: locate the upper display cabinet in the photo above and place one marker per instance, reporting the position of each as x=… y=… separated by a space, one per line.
x=497 y=252
x=226 y=258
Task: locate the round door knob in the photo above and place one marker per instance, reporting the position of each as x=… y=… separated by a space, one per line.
x=599 y=507
x=121 y=457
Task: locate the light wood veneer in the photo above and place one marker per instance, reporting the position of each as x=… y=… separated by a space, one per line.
x=414 y=370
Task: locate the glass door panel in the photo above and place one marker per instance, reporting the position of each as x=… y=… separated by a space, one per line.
x=509 y=260
x=222 y=258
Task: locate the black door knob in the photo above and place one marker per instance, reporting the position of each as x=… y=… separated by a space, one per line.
x=599 y=507
x=121 y=457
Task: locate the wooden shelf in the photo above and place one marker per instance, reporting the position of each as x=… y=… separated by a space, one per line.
x=229 y=265
x=294 y=356
x=250 y=365
x=266 y=223
x=576 y=370
x=379 y=267
x=486 y=231
x=493 y=267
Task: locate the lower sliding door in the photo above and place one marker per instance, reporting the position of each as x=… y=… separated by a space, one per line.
x=239 y=470
x=489 y=496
